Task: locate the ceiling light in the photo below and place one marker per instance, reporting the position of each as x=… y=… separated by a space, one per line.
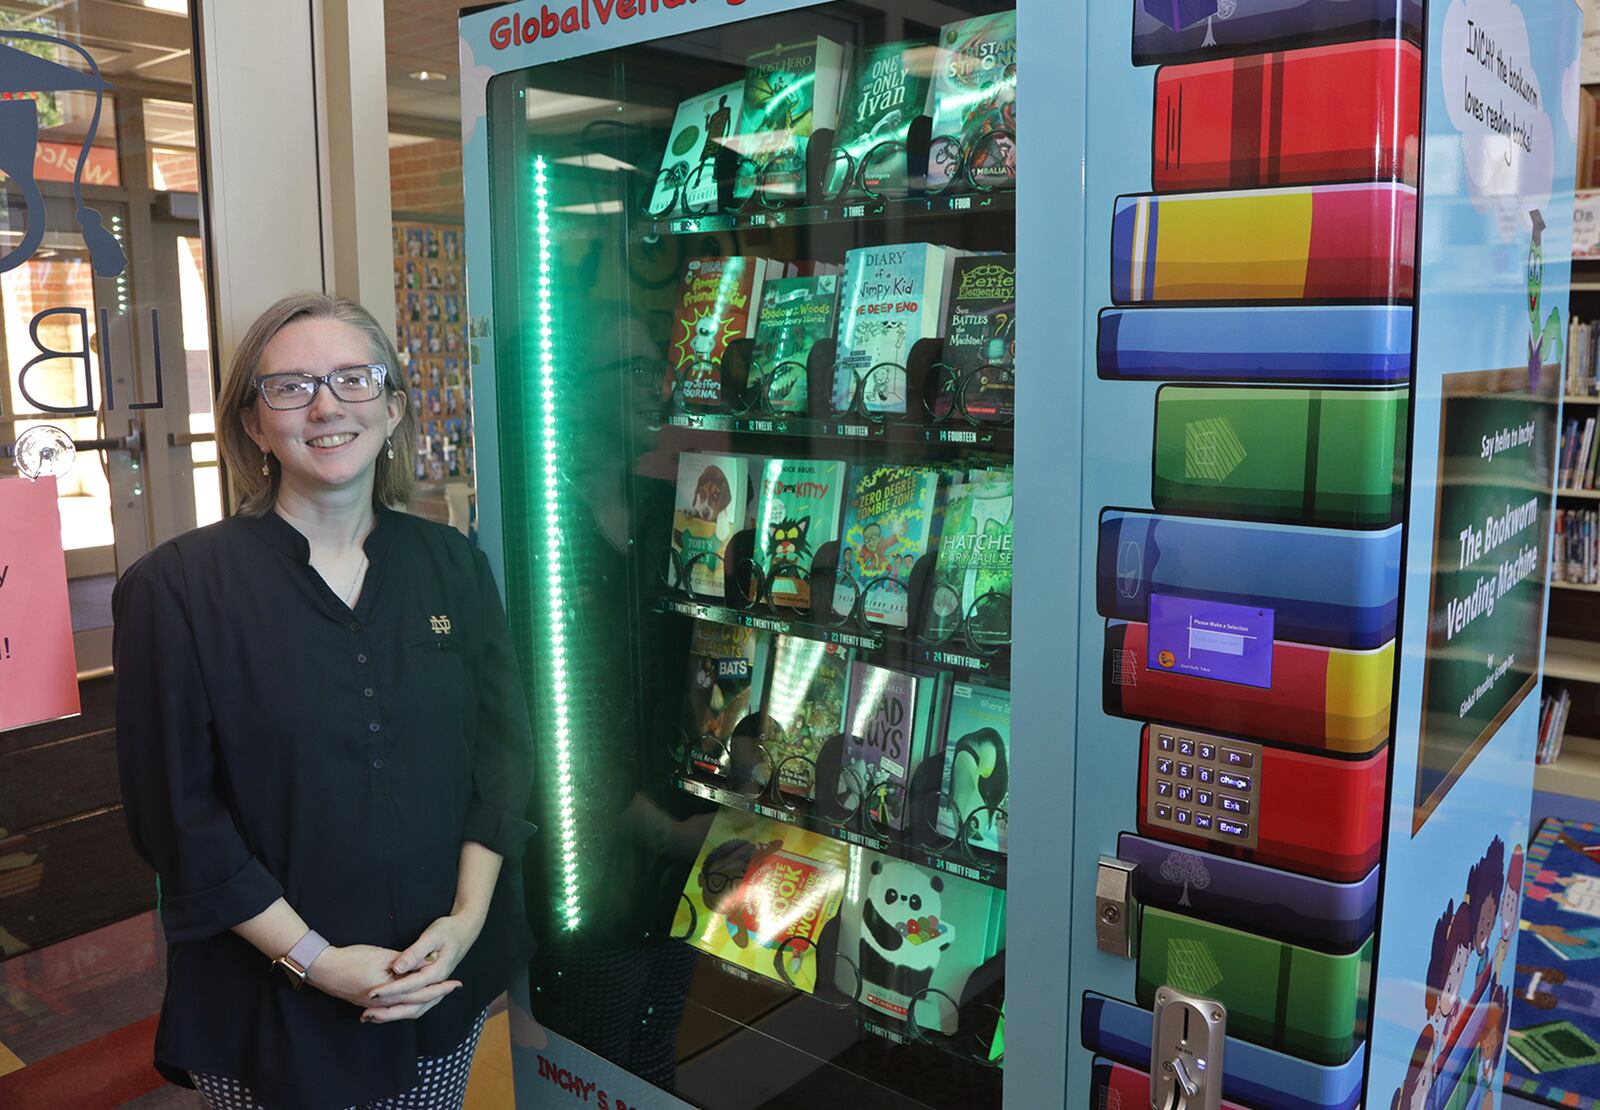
x=428 y=75
x=597 y=162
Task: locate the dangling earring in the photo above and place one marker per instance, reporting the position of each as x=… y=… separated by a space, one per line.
x=266 y=471
x=390 y=442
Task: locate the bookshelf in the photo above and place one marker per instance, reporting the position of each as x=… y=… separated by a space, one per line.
x=1576 y=774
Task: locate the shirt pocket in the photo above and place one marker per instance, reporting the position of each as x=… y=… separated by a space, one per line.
x=441 y=688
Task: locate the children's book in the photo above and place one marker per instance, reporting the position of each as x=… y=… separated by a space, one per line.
x=974 y=563
x=910 y=935
x=890 y=86
x=977 y=766
x=703 y=124
x=797 y=512
x=889 y=731
x=726 y=677
x=888 y=524
x=789 y=91
x=803 y=709
x=975 y=99
x=796 y=314
x=710 y=508
x=980 y=344
x=760 y=895
x=891 y=297
x=716 y=305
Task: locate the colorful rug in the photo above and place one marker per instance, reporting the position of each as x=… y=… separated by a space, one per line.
x=1554 y=1044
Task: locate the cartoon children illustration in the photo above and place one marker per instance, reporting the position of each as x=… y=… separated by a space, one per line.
x=1447 y=969
x=1485 y=885
x=1544 y=343
x=1413 y=1093
x=1510 y=909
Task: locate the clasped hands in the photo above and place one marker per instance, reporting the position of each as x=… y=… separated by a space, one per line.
x=397 y=986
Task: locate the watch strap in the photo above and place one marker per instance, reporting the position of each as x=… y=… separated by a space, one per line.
x=307 y=949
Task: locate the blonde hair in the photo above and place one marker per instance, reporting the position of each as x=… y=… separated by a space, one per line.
x=254 y=492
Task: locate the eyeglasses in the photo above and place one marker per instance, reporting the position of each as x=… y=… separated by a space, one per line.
x=296 y=390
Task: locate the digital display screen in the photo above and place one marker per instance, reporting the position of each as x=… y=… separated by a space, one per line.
x=1211 y=639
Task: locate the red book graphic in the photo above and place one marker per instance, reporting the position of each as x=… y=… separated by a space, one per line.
x=1332 y=113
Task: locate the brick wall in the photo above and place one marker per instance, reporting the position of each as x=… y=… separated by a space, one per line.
x=425 y=178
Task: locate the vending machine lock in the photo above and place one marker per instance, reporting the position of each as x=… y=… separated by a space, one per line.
x=1186 y=1052
x=1114 y=908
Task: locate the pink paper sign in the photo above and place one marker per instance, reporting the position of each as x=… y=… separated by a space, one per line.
x=38 y=668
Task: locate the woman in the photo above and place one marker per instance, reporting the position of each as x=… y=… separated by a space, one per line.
x=324 y=747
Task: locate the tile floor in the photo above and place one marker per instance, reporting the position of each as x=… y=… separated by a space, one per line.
x=70 y=993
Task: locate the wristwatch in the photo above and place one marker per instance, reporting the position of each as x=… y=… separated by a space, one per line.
x=297 y=962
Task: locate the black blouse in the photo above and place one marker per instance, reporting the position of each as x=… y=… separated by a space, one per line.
x=273 y=743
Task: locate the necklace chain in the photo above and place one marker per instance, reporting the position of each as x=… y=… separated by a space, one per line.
x=356 y=581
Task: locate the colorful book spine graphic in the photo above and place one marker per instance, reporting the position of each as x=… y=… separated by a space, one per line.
x=1303 y=909
x=1312 y=456
x=1320 y=698
x=1164 y=31
x=1252 y=1075
x=1336 y=344
x=1332 y=113
x=1327 y=242
x=1338 y=588
x=1320 y=816
x=1116 y=1085
x=1298 y=1000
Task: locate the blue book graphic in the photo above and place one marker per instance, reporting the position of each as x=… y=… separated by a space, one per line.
x=1336 y=344
x=1251 y=1075
x=1327 y=586
x=1195 y=30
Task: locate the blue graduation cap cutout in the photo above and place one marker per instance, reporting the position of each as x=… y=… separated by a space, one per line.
x=22 y=73
x=1181 y=14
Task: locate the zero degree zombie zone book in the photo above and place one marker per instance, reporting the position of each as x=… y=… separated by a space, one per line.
x=977 y=766
x=797 y=512
x=972 y=578
x=716 y=305
x=710 y=508
x=760 y=894
x=891 y=297
x=980 y=345
x=703 y=124
x=796 y=314
x=789 y=92
x=888 y=524
x=975 y=100
x=803 y=709
x=725 y=683
x=890 y=86
x=912 y=936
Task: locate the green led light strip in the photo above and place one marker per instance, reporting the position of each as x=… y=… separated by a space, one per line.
x=556 y=644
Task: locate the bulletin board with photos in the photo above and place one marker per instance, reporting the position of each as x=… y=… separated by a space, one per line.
x=431 y=336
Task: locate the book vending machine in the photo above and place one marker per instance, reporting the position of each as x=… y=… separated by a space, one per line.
x=744 y=287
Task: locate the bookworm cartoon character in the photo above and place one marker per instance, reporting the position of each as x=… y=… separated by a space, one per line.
x=902 y=935
x=724 y=884
x=1544 y=343
x=787 y=539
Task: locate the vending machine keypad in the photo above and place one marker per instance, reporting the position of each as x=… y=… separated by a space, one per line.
x=1204 y=785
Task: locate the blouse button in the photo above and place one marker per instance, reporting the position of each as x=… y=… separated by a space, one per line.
x=368 y=692
x=362 y=658
x=374 y=727
x=377 y=764
x=355 y=626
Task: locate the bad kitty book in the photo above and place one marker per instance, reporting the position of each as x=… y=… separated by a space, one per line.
x=980 y=344
x=803 y=709
x=710 y=508
x=789 y=91
x=796 y=314
x=890 y=86
x=716 y=305
x=888 y=524
x=975 y=100
x=891 y=297
x=797 y=512
x=977 y=766
x=703 y=124
x=726 y=665
x=760 y=893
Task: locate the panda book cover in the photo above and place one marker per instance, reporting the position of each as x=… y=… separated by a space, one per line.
x=726 y=664
x=760 y=895
x=709 y=509
x=888 y=525
x=802 y=710
x=717 y=304
x=913 y=937
x=797 y=513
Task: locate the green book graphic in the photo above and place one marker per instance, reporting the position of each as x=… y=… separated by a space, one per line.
x=888 y=524
x=789 y=91
x=796 y=314
x=1297 y=1000
x=889 y=88
x=1302 y=456
x=972 y=577
x=703 y=123
x=804 y=708
x=975 y=98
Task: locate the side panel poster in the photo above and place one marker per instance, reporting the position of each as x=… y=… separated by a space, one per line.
x=38 y=669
